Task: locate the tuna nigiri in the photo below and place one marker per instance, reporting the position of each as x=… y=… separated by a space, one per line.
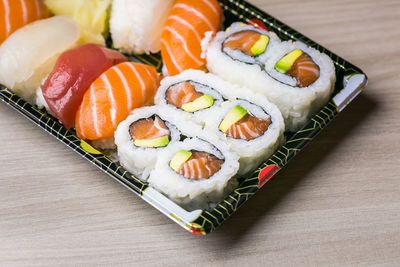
x=112 y=96
x=15 y=14
x=30 y=53
x=72 y=75
x=186 y=26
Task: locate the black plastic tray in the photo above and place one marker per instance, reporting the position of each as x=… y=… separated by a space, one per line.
x=350 y=82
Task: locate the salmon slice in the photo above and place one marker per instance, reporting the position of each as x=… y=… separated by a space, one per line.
x=304 y=70
x=147 y=129
x=15 y=14
x=243 y=41
x=112 y=97
x=187 y=23
x=201 y=165
x=248 y=128
x=182 y=93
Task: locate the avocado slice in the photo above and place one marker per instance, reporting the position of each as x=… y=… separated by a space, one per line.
x=156 y=142
x=235 y=115
x=286 y=63
x=260 y=46
x=179 y=158
x=202 y=102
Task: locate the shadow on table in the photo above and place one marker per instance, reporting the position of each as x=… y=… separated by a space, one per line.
x=266 y=200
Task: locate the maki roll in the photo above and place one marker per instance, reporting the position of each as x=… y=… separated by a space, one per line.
x=144 y=134
x=299 y=81
x=192 y=93
x=196 y=172
x=236 y=55
x=296 y=78
x=241 y=45
x=251 y=126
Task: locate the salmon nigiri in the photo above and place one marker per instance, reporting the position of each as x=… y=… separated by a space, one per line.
x=186 y=26
x=16 y=14
x=112 y=96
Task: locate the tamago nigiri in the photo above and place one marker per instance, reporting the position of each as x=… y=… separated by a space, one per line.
x=111 y=97
x=186 y=26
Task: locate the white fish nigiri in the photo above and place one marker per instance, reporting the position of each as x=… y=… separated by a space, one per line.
x=136 y=25
x=30 y=53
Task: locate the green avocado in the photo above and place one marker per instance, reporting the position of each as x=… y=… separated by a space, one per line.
x=179 y=158
x=156 y=142
x=286 y=63
x=202 y=102
x=235 y=115
x=260 y=46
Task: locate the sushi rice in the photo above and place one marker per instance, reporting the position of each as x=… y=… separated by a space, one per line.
x=136 y=25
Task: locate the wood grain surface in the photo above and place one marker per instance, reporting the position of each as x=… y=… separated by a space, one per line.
x=337 y=203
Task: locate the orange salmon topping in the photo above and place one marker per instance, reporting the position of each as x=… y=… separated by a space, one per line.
x=242 y=41
x=304 y=70
x=248 y=128
x=186 y=25
x=182 y=93
x=201 y=165
x=149 y=128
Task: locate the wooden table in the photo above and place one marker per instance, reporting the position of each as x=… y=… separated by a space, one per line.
x=337 y=203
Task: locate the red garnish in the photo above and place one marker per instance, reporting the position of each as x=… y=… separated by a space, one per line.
x=266 y=174
x=258 y=24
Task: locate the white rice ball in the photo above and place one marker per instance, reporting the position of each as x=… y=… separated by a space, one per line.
x=136 y=25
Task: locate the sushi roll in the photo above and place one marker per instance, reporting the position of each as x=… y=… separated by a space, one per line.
x=296 y=78
x=194 y=93
x=144 y=134
x=136 y=25
x=16 y=14
x=251 y=126
x=299 y=80
x=241 y=45
x=111 y=98
x=181 y=36
x=196 y=172
x=31 y=52
x=238 y=53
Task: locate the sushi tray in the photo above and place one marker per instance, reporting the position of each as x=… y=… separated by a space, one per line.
x=189 y=160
